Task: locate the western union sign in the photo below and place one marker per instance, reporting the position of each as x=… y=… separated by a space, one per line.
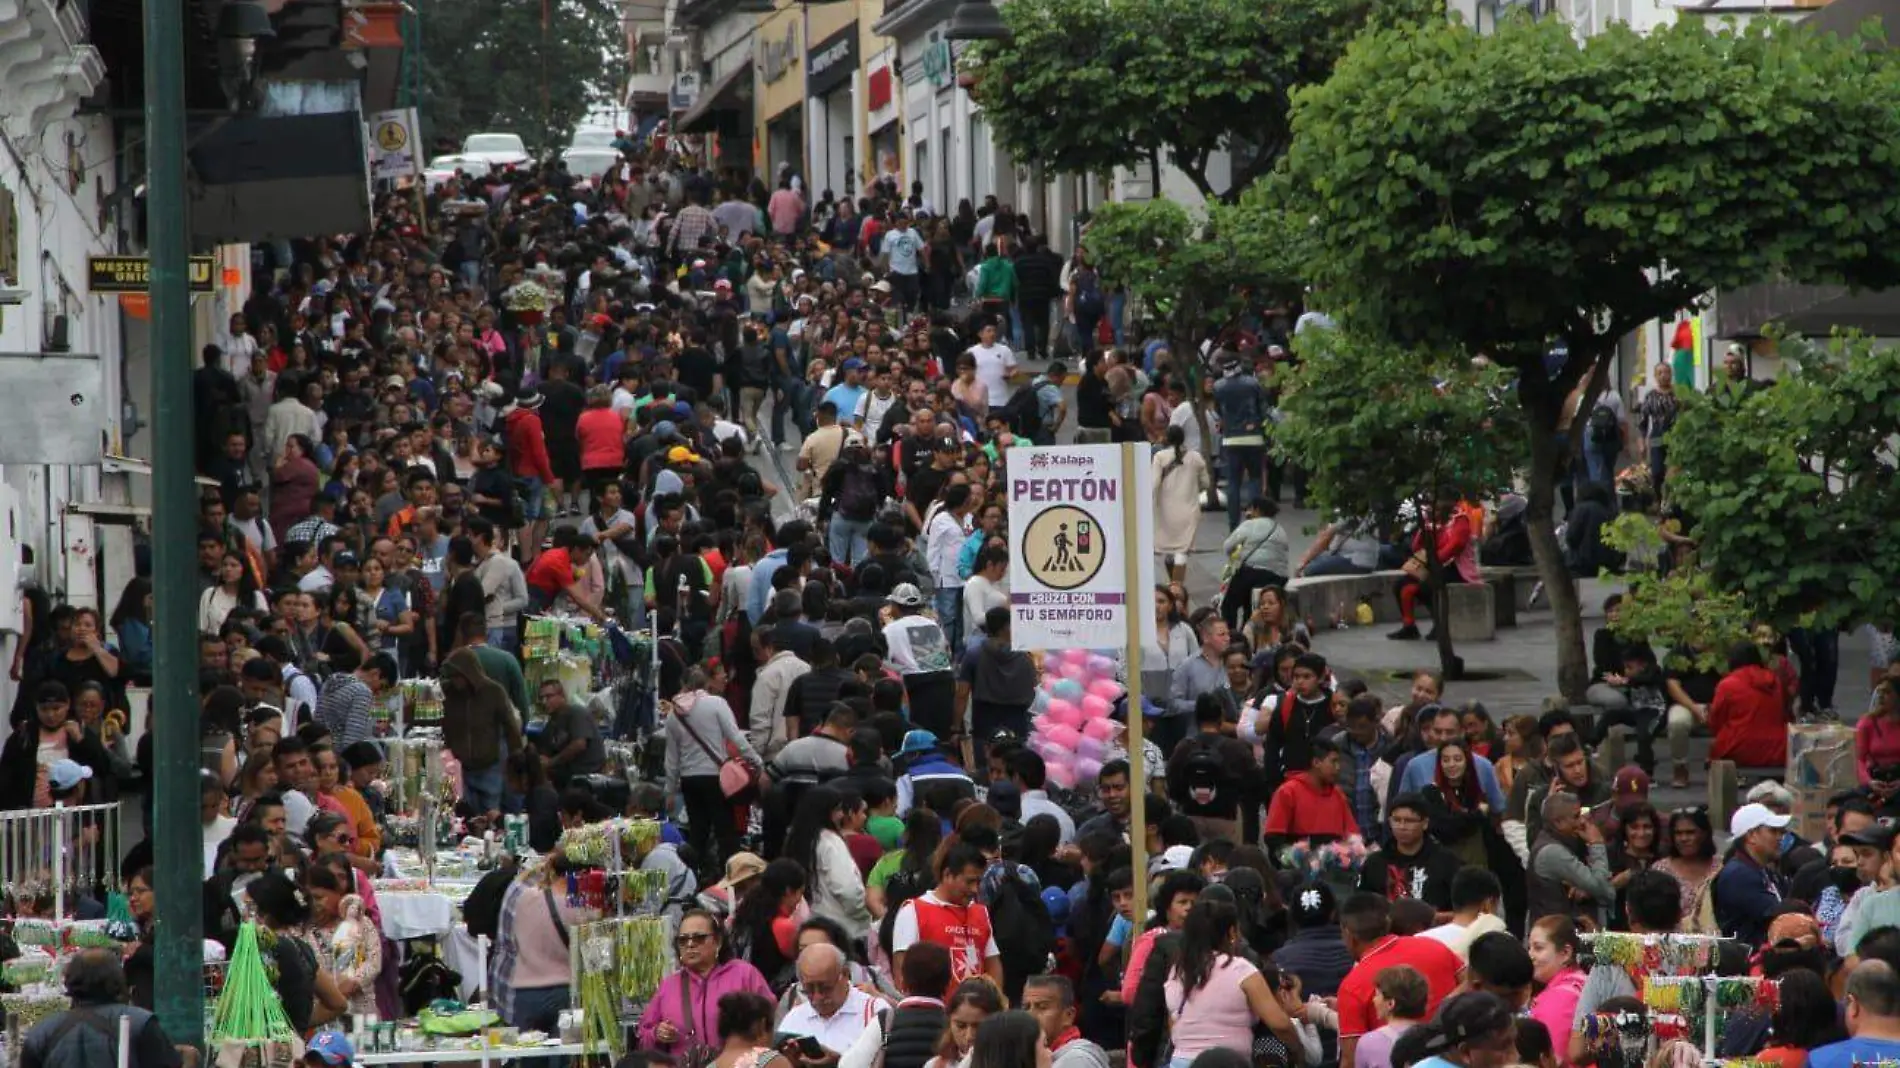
x=133 y=274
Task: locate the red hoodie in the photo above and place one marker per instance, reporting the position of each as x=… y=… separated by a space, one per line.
x=1746 y=715
x=527 y=445
x=1302 y=808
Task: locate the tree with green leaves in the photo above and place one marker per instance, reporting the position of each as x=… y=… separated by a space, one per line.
x=1086 y=86
x=1686 y=609
x=1518 y=192
x=532 y=69
x=1792 y=491
x=1381 y=431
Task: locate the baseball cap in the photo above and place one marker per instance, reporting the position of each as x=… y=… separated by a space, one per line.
x=947 y=445
x=1877 y=835
x=852 y=364
x=908 y=595
x=882 y=287
x=1174 y=858
x=1632 y=783
x=920 y=740
x=395 y=382
x=680 y=454
x=1753 y=818
x=330 y=1047
x=65 y=774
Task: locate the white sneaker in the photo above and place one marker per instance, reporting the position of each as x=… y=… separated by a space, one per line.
x=788 y=446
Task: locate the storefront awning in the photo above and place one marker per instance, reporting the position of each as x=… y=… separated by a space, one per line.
x=730 y=93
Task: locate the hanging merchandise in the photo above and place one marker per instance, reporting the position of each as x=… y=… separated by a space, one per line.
x=1697 y=1007
x=250 y=1015
x=591 y=845
x=1619 y=1040
x=1670 y=954
x=623 y=961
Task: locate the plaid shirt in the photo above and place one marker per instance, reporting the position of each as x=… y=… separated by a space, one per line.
x=1365 y=800
x=501 y=964
x=313 y=530
x=692 y=223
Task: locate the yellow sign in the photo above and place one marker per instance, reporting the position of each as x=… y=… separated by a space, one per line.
x=392 y=137
x=1064 y=547
x=133 y=274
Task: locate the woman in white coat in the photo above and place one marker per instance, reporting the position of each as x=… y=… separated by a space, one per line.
x=1181 y=480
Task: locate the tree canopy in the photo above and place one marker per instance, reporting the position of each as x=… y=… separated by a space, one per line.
x=1086 y=86
x=1195 y=273
x=1506 y=192
x=491 y=67
x=1792 y=490
x=1375 y=426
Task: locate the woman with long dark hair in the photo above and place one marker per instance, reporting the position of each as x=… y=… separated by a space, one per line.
x=1010 y=1040
x=816 y=842
x=1689 y=853
x=904 y=873
x=1214 y=996
x=1177 y=895
x=1456 y=805
x=1805 y=1019
x=971 y=1003
x=234 y=589
x=131 y=621
x=765 y=921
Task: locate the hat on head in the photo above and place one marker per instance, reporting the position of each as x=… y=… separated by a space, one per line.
x=740 y=867
x=344 y=558
x=65 y=774
x=1875 y=835
x=947 y=445
x=1056 y=901
x=852 y=364
x=1753 y=817
x=395 y=382
x=1174 y=858
x=907 y=594
x=332 y=1048
x=680 y=454
x=665 y=428
x=529 y=399
x=1632 y=783
x=919 y=740
x=882 y=287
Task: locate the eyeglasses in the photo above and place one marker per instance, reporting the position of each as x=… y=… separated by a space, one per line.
x=814 y=987
x=692 y=939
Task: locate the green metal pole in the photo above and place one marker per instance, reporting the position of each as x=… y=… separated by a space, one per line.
x=178 y=857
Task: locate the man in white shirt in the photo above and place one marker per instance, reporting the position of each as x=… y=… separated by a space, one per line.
x=994 y=364
x=1028 y=772
x=920 y=651
x=1475 y=893
x=943 y=543
x=875 y=405
x=834 y=1012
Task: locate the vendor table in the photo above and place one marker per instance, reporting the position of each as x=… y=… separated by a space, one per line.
x=482 y=1056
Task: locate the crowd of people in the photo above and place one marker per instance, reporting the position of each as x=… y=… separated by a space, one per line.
x=554 y=395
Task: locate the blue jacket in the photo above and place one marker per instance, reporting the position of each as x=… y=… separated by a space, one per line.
x=1243 y=406
x=1319 y=957
x=1746 y=896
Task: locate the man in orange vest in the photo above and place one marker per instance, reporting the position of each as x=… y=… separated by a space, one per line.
x=951 y=916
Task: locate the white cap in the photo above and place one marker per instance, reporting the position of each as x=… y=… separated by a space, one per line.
x=1174 y=858
x=1754 y=817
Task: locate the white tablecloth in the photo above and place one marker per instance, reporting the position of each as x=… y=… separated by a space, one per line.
x=415 y=914
x=497 y=1056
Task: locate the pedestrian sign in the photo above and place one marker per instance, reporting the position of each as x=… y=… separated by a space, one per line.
x=1081 y=537
x=1062 y=549
x=392 y=144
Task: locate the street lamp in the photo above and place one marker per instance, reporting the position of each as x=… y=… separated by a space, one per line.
x=976 y=20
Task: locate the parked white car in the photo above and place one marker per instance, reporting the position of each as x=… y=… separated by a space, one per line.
x=589 y=163
x=443 y=168
x=592 y=137
x=499 y=149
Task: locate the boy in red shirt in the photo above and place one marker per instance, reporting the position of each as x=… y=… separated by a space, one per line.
x=1310 y=804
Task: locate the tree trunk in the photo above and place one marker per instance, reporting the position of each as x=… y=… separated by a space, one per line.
x=1573 y=665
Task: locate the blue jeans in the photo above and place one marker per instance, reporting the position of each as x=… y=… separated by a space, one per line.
x=949 y=604
x=845 y=538
x=1658 y=463
x=1599 y=463
x=504 y=638
x=1333 y=564
x=1244 y=465
x=538 y=1008
x=1117 y=305
x=533 y=496
x=789 y=396
x=482 y=788
x=1015 y=326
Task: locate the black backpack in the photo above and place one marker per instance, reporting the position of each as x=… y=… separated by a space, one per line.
x=1023 y=413
x=1605 y=429
x=1205 y=783
x=900 y=887
x=1023 y=932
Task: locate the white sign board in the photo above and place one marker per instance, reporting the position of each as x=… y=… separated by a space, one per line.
x=394 y=146
x=1068 y=555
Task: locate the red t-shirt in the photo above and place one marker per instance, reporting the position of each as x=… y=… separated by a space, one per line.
x=551 y=572
x=1437 y=963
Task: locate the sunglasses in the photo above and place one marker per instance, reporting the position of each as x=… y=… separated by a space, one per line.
x=691 y=939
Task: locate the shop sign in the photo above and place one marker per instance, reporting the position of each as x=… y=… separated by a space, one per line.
x=940 y=69
x=776 y=58
x=832 y=62
x=685 y=90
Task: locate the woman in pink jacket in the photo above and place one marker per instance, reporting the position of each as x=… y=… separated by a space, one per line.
x=683 y=1018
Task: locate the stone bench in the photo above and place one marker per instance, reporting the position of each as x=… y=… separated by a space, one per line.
x=1324 y=598
x=1471 y=612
